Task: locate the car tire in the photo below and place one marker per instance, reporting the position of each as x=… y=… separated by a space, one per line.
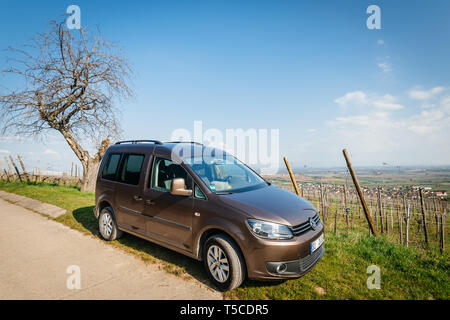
x=107 y=225
x=223 y=262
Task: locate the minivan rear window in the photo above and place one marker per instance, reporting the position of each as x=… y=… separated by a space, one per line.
x=131 y=168
x=110 y=168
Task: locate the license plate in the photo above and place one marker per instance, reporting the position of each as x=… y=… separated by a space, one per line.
x=316 y=243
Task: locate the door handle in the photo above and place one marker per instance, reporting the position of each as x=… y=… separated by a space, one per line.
x=137 y=198
x=150 y=202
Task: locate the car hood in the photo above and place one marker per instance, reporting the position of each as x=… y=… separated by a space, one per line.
x=271 y=204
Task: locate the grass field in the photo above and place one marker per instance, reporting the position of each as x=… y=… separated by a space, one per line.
x=406 y=273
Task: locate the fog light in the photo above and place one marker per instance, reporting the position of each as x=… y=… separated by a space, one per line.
x=282 y=268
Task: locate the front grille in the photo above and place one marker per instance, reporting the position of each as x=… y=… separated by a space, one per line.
x=305 y=227
x=308 y=261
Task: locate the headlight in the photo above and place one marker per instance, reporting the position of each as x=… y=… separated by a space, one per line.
x=269 y=230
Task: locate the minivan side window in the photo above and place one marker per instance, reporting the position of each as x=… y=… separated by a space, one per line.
x=199 y=193
x=164 y=171
x=110 y=167
x=131 y=168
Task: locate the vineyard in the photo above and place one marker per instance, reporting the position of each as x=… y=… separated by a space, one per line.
x=406 y=216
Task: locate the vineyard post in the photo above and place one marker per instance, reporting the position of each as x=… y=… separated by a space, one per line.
x=288 y=167
x=15 y=167
x=7 y=175
x=386 y=215
x=407 y=226
x=436 y=219
x=380 y=214
x=9 y=167
x=392 y=220
x=442 y=232
x=351 y=212
x=400 y=231
x=360 y=194
x=23 y=168
x=321 y=201
x=335 y=221
x=345 y=206
x=425 y=231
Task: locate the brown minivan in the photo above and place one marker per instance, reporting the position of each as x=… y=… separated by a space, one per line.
x=206 y=204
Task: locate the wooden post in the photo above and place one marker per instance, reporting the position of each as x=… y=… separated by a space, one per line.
x=290 y=174
x=442 y=245
x=15 y=167
x=386 y=220
x=23 y=168
x=360 y=194
x=9 y=167
x=352 y=218
x=346 y=207
x=424 y=220
x=436 y=220
x=335 y=222
x=392 y=220
x=407 y=227
x=380 y=215
x=6 y=173
x=400 y=231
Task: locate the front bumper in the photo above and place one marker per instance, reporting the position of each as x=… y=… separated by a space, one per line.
x=295 y=268
x=266 y=255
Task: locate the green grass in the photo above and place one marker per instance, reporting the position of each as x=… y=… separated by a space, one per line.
x=406 y=273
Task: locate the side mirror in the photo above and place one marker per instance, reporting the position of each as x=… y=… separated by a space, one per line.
x=177 y=188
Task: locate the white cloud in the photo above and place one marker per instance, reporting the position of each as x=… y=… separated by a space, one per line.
x=311 y=130
x=363 y=101
x=352 y=98
x=425 y=94
x=378 y=133
x=386 y=102
x=385 y=66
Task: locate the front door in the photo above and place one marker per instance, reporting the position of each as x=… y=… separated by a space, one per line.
x=168 y=217
x=129 y=195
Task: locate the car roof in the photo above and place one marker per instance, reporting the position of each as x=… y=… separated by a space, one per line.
x=183 y=149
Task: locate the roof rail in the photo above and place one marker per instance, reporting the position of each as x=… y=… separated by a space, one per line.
x=191 y=142
x=139 y=141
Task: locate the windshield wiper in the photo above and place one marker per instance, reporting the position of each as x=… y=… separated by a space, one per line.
x=224 y=192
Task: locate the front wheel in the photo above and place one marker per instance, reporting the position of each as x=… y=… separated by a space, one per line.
x=107 y=225
x=224 y=263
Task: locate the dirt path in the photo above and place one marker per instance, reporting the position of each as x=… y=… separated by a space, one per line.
x=35 y=253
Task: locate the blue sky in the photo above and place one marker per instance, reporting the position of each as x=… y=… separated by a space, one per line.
x=311 y=69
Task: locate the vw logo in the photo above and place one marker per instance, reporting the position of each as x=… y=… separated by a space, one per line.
x=312 y=223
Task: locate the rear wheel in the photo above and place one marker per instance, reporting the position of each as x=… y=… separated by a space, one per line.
x=223 y=262
x=107 y=225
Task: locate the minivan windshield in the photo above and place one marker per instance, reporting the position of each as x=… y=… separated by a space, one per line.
x=225 y=174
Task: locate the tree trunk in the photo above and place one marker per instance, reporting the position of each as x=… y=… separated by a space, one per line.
x=90 y=164
x=90 y=175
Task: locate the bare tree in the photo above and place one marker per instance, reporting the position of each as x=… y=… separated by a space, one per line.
x=71 y=79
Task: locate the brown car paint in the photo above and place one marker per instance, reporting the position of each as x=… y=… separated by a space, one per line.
x=179 y=222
